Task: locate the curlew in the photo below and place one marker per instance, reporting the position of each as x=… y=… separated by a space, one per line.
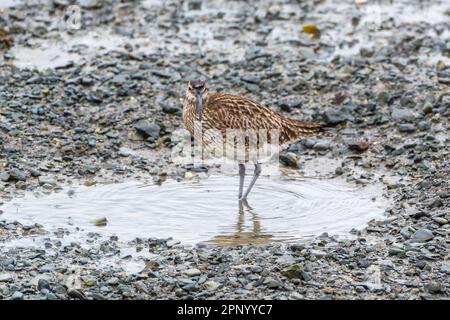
x=223 y=111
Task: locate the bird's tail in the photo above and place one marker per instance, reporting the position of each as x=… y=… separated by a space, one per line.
x=305 y=129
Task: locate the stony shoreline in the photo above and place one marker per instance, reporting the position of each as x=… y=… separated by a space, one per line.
x=108 y=115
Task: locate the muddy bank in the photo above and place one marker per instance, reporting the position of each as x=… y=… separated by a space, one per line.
x=98 y=105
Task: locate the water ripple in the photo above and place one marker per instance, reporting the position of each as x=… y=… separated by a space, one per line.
x=208 y=210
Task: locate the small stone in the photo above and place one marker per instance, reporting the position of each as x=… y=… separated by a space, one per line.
x=76 y=294
x=17 y=295
x=5 y=277
x=427 y=107
x=293 y=271
x=406 y=127
x=90 y=4
x=101 y=222
x=440 y=220
x=333 y=117
x=318 y=253
x=274 y=10
x=391 y=182
x=396 y=249
x=172 y=243
x=193 y=272
x=125 y=152
x=89 y=281
x=399 y=114
x=4 y=176
x=359 y=145
x=271 y=283
x=433 y=287
x=195 y=5
x=322 y=145
x=43 y=284
x=445 y=267
x=170 y=108
x=148 y=129
x=16 y=175
x=212 y=285
x=289 y=159
x=422 y=235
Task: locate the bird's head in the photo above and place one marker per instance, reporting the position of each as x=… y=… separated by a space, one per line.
x=197 y=93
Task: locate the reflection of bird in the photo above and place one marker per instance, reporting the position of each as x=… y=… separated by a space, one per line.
x=223 y=111
x=240 y=236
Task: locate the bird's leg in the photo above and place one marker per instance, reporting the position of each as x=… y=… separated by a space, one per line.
x=256 y=174
x=241 y=179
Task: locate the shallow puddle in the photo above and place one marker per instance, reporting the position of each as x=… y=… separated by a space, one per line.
x=207 y=210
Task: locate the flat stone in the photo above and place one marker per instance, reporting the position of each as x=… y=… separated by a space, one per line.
x=271 y=283
x=400 y=114
x=193 y=272
x=422 y=235
x=6 y=277
x=148 y=129
x=445 y=267
x=17 y=295
x=406 y=127
x=333 y=117
x=440 y=220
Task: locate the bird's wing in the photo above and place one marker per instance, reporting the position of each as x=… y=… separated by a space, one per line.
x=226 y=111
x=234 y=112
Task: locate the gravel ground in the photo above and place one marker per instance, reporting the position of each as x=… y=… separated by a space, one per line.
x=104 y=110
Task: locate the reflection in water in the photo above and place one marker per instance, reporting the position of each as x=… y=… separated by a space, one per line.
x=193 y=211
x=241 y=236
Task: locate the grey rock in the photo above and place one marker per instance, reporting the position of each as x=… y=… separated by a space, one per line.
x=272 y=283
x=76 y=294
x=433 y=287
x=400 y=114
x=90 y=4
x=43 y=284
x=17 y=175
x=406 y=127
x=170 y=108
x=148 y=129
x=6 y=277
x=4 y=176
x=445 y=267
x=17 y=296
x=422 y=235
x=192 y=272
x=333 y=117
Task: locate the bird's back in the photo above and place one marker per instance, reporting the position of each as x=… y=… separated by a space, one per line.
x=226 y=111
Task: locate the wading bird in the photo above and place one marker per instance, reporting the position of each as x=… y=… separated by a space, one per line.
x=222 y=112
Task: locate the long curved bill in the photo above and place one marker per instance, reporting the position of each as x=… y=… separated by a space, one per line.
x=199 y=105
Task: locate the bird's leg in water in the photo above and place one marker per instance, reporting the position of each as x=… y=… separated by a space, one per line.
x=241 y=179
x=256 y=174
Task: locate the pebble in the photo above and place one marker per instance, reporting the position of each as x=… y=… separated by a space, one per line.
x=193 y=272
x=6 y=277
x=17 y=296
x=289 y=159
x=399 y=114
x=422 y=235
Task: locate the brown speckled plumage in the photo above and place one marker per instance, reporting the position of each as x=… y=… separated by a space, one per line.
x=224 y=111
